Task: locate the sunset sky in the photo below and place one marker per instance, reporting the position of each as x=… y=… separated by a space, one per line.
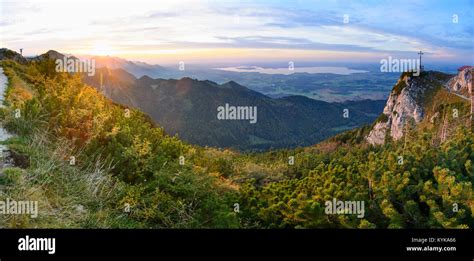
x=240 y=31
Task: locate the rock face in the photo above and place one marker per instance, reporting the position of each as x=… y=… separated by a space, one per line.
x=407 y=100
x=403 y=104
x=462 y=83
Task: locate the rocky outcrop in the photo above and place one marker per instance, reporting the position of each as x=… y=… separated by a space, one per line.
x=378 y=133
x=403 y=105
x=407 y=100
x=462 y=82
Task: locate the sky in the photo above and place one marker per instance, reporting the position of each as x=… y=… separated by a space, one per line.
x=167 y=32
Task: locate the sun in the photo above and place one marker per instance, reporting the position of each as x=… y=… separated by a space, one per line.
x=101 y=49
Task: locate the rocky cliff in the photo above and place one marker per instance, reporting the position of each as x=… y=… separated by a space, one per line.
x=462 y=82
x=408 y=101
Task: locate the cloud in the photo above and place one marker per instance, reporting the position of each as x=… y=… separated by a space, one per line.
x=374 y=26
x=161 y=14
x=287 y=43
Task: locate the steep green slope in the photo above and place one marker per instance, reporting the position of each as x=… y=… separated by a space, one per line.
x=92 y=163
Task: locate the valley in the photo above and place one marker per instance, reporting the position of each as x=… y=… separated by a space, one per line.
x=331 y=83
x=129 y=173
x=187 y=107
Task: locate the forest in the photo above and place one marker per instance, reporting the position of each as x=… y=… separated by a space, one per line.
x=92 y=163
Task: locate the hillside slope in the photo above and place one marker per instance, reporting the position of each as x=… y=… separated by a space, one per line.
x=92 y=163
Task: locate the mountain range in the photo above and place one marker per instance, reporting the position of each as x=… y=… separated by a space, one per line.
x=370 y=83
x=188 y=107
x=412 y=166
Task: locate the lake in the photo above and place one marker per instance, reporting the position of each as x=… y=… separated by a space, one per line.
x=286 y=71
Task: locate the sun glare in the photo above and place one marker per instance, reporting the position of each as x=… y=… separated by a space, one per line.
x=101 y=49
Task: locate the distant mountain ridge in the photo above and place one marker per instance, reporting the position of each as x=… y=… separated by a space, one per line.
x=138 y=69
x=188 y=107
x=331 y=87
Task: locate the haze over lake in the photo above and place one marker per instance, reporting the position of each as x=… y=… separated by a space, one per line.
x=315 y=69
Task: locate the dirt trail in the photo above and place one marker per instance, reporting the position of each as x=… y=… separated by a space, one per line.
x=5 y=159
